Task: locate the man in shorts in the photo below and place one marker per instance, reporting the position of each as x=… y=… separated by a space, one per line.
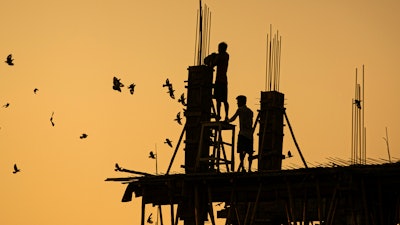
x=220 y=60
x=245 y=137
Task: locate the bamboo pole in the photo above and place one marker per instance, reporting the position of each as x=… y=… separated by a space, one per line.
x=211 y=210
x=196 y=205
x=253 y=215
x=294 y=139
x=176 y=149
x=246 y=218
x=161 y=217
x=172 y=213
x=364 y=199
x=291 y=213
x=143 y=208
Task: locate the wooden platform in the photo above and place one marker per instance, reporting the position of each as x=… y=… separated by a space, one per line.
x=336 y=195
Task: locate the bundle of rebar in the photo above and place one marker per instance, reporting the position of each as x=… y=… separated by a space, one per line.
x=273 y=61
x=358 y=144
x=203 y=30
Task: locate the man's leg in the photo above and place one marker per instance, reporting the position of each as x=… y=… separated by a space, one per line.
x=250 y=158
x=241 y=165
x=218 y=110
x=226 y=106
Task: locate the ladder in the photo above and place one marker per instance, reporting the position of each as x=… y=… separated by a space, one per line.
x=211 y=137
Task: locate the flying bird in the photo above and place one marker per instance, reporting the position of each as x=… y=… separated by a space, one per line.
x=168 y=142
x=149 y=219
x=6 y=105
x=35 y=90
x=182 y=99
x=167 y=83
x=51 y=119
x=9 y=60
x=132 y=88
x=357 y=103
x=171 y=92
x=16 y=170
x=117 y=167
x=83 y=136
x=117 y=84
x=152 y=155
x=178 y=118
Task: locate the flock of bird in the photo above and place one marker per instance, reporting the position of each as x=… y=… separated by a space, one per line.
x=9 y=61
x=117 y=85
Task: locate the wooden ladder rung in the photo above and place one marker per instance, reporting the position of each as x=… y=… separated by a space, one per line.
x=215 y=159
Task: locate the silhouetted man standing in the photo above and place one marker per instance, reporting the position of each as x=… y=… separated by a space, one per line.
x=220 y=60
x=245 y=137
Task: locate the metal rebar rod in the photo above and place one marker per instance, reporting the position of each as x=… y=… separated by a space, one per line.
x=200 y=33
x=352 y=131
x=270 y=65
x=279 y=62
x=195 y=41
x=209 y=35
x=273 y=63
x=274 y=72
x=363 y=109
x=266 y=66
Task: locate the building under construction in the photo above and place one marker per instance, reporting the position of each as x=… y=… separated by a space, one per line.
x=353 y=194
x=210 y=188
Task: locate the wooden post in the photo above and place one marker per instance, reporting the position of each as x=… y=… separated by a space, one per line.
x=211 y=210
x=294 y=139
x=253 y=215
x=290 y=202
x=176 y=149
x=143 y=209
x=160 y=211
x=364 y=199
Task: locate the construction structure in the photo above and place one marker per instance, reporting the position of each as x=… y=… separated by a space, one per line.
x=352 y=195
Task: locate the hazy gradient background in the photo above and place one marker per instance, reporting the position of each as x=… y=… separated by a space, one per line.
x=70 y=51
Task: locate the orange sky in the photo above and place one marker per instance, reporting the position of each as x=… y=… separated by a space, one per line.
x=70 y=51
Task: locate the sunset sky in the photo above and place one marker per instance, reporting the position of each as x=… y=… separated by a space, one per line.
x=71 y=50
